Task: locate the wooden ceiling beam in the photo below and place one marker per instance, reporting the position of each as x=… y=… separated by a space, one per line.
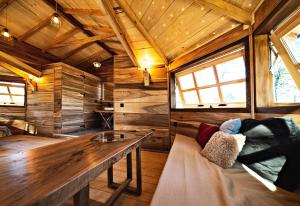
x=230 y=10
x=89 y=12
x=35 y=29
x=83 y=41
x=119 y=30
x=76 y=23
x=8 y=59
x=62 y=38
x=27 y=52
x=130 y=13
x=4 y=4
x=98 y=28
x=220 y=42
x=74 y=51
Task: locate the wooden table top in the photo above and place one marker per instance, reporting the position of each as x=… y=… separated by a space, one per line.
x=48 y=175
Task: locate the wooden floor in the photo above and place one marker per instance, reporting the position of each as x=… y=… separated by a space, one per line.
x=152 y=166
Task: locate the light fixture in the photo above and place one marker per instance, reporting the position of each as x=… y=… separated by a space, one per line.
x=55 y=20
x=145 y=65
x=96 y=64
x=5 y=32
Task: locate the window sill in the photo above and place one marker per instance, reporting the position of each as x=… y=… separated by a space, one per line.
x=223 y=109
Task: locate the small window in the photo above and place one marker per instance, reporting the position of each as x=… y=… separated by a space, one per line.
x=215 y=83
x=284 y=87
x=292 y=43
x=12 y=94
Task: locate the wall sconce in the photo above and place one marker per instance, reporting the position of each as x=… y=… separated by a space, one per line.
x=145 y=65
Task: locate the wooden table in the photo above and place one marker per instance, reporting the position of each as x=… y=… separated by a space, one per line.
x=50 y=175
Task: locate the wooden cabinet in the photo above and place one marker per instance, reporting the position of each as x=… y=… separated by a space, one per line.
x=73 y=96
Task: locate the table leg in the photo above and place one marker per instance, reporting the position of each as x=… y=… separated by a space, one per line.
x=132 y=190
x=82 y=197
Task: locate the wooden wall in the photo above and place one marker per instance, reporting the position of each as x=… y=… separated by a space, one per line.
x=40 y=107
x=14 y=118
x=138 y=107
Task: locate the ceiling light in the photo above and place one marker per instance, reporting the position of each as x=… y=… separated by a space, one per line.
x=97 y=64
x=6 y=34
x=55 y=21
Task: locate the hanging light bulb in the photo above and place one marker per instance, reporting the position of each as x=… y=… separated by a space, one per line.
x=97 y=64
x=55 y=20
x=5 y=32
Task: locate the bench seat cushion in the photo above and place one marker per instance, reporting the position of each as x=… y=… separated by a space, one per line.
x=191 y=180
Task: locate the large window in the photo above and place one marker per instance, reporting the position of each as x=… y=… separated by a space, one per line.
x=220 y=82
x=12 y=94
x=285 y=60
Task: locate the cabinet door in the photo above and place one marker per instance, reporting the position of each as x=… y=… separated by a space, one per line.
x=72 y=100
x=90 y=103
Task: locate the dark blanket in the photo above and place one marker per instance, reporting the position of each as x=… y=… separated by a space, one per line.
x=272 y=149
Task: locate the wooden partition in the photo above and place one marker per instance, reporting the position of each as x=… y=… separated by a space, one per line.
x=14 y=118
x=138 y=107
x=65 y=100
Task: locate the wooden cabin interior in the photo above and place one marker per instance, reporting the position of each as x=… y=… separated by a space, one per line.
x=147 y=102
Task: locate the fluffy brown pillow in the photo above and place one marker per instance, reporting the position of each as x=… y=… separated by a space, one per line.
x=223 y=149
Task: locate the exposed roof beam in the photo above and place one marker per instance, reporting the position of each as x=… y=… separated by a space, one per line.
x=83 y=41
x=98 y=28
x=6 y=58
x=71 y=53
x=119 y=30
x=206 y=49
x=35 y=29
x=76 y=23
x=4 y=4
x=63 y=38
x=92 y=12
x=27 y=52
x=130 y=13
x=230 y=10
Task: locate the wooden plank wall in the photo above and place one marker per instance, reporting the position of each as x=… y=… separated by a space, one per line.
x=40 y=107
x=138 y=107
x=14 y=118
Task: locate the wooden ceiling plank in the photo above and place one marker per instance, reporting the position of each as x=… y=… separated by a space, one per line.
x=88 y=59
x=4 y=4
x=84 y=40
x=17 y=63
x=218 y=43
x=74 y=51
x=98 y=28
x=76 y=23
x=130 y=13
x=35 y=29
x=27 y=52
x=89 y=12
x=63 y=38
x=230 y=10
x=119 y=30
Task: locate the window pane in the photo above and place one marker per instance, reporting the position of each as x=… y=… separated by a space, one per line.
x=18 y=100
x=231 y=70
x=205 y=77
x=187 y=82
x=5 y=99
x=210 y=95
x=292 y=42
x=234 y=92
x=16 y=90
x=190 y=97
x=3 y=90
x=285 y=89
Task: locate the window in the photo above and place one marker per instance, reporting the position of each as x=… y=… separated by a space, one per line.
x=12 y=94
x=220 y=82
x=285 y=40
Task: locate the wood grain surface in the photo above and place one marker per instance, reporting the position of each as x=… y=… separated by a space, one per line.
x=51 y=174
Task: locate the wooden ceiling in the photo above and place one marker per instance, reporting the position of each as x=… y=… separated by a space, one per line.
x=163 y=30
x=167 y=29
x=84 y=35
